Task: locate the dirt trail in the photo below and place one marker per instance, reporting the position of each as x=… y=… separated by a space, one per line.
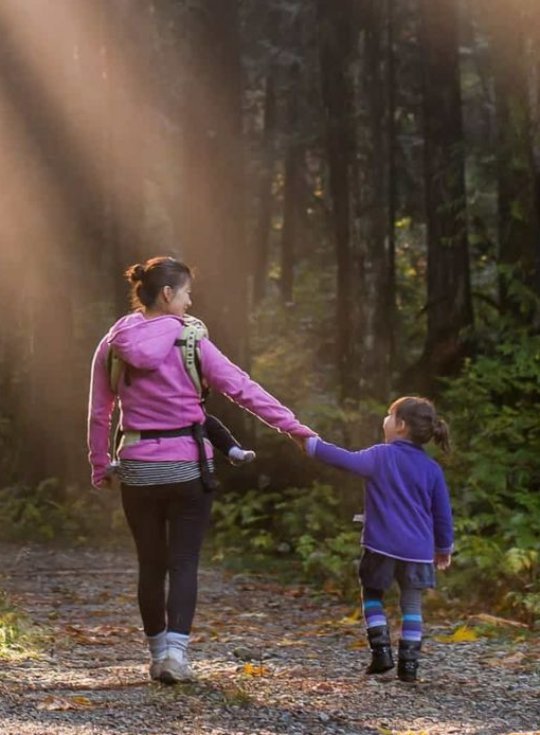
x=270 y=659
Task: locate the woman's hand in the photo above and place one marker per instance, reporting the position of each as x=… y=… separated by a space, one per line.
x=104 y=484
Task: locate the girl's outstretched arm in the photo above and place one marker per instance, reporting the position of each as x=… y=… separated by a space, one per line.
x=360 y=463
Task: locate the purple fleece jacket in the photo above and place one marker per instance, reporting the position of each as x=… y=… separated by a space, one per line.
x=407 y=511
x=160 y=394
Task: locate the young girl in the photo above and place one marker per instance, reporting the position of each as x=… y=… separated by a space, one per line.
x=408 y=524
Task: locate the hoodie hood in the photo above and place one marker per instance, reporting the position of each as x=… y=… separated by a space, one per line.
x=144 y=343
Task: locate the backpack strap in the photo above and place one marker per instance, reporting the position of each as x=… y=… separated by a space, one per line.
x=193 y=331
x=189 y=344
x=116 y=368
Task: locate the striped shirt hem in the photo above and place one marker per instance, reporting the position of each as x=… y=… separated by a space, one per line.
x=138 y=473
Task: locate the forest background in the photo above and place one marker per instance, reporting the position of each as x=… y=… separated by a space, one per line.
x=357 y=183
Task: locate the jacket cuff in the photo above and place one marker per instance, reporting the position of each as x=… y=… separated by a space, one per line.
x=311 y=445
x=447 y=550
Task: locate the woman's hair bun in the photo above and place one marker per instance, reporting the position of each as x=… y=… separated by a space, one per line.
x=135 y=273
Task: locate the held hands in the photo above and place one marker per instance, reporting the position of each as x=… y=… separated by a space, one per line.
x=442 y=561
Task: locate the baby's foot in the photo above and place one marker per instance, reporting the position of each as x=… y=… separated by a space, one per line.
x=239 y=456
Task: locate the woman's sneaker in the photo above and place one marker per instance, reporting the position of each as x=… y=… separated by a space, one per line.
x=155 y=670
x=175 y=669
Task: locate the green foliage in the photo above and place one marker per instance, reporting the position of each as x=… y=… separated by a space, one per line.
x=18 y=637
x=303 y=525
x=49 y=512
x=495 y=471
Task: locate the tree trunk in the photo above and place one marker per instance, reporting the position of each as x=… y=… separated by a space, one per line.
x=449 y=307
x=52 y=200
x=213 y=206
x=391 y=306
x=293 y=190
x=292 y=198
x=517 y=196
x=264 y=219
x=337 y=50
x=375 y=282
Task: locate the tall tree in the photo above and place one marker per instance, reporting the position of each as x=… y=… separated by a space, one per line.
x=213 y=187
x=337 y=23
x=519 y=246
x=375 y=283
x=293 y=190
x=261 y=235
x=57 y=207
x=354 y=91
x=449 y=305
x=392 y=176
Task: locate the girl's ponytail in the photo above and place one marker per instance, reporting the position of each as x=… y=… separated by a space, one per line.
x=422 y=422
x=441 y=434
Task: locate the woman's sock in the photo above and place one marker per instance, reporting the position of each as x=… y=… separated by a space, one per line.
x=158 y=646
x=177 y=644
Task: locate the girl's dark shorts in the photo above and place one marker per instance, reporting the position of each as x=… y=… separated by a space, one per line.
x=379 y=571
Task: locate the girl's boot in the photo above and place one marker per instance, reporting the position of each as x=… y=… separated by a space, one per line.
x=381 y=651
x=408 y=654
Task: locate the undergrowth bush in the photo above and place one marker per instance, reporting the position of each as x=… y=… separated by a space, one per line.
x=301 y=525
x=493 y=408
x=19 y=638
x=51 y=512
x=493 y=473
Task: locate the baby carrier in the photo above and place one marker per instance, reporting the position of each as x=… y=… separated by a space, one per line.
x=193 y=330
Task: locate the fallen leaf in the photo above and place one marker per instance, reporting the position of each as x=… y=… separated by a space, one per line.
x=294 y=592
x=353 y=618
x=510 y=661
x=82 y=701
x=494 y=620
x=324 y=686
x=254 y=670
x=64 y=703
x=357 y=645
x=462 y=634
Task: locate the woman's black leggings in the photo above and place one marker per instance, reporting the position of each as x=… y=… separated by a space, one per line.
x=168 y=524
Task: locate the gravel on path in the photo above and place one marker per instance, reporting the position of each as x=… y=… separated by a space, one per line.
x=269 y=658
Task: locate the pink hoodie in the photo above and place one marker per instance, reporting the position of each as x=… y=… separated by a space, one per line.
x=160 y=394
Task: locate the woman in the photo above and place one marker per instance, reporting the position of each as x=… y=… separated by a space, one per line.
x=162 y=454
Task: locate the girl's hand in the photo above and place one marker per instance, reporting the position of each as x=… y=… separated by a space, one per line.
x=443 y=561
x=300 y=442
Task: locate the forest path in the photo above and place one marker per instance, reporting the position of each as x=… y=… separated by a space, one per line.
x=91 y=677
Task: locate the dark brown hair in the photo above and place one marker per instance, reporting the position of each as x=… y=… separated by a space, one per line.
x=149 y=278
x=421 y=419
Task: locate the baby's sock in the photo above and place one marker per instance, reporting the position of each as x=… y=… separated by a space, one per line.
x=177 y=644
x=158 y=645
x=237 y=455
